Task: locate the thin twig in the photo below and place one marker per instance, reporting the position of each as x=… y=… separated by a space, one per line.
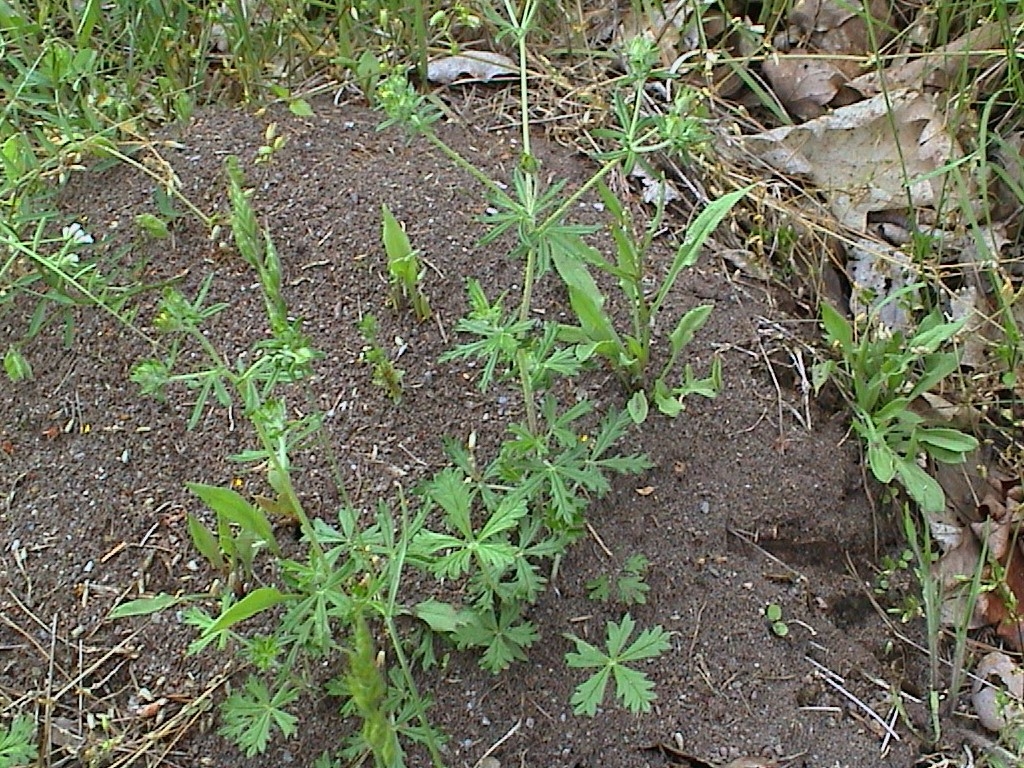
x=496 y=745
x=836 y=682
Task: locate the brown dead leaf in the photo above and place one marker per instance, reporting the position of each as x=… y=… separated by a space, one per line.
x=802 y=83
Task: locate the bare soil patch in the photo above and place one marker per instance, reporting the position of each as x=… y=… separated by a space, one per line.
x=745 y=505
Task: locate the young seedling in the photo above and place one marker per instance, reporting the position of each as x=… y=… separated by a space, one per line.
x=630 y=353
x=629 y=588
x=273 y=144
x=403 y=267
x=386 y=374
x=634 y=689
x=773 y=612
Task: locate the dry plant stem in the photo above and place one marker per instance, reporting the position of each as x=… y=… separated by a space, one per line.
x=836 y=682
x=497 y=745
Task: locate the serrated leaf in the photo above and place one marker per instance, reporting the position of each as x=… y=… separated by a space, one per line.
x=650 y=643
x=590 y=693
x=450 y=491
x=634 y=689
x=17 y=742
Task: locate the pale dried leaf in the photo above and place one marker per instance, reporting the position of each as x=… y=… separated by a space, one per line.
x=971 y=50
x=998 y=691
x=953 y=570
x=471 y=65
x=968 y=304
x=879 y=272
x=853 y=156
x=655 y=189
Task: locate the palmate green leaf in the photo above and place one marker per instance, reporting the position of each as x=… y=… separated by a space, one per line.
x=504 y=638
x=632 y=688
x=450 y=491
x=251 y=716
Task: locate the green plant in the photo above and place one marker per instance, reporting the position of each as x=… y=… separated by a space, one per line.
x=273 y=143
x=630 y=353
x=632 y=688
x=17 y=742
x=403 y=267
x=230 y=551
x=252 y=715
x=881 y=374
x=629 y=587
x=773 y=613
x=386 y=374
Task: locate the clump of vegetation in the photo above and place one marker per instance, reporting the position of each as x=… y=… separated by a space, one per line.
x=386 y=374
x=79 y=79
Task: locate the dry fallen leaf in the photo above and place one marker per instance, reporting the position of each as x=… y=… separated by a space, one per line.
x=859 y=163
x=802 y=83
x=471 y=65
x=996 y=678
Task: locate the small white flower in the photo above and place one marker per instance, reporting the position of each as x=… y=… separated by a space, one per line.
x=75 y=234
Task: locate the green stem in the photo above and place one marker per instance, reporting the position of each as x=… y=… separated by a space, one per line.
x=396 y=642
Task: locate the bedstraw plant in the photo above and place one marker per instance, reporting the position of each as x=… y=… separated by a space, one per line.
x=495 y=527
